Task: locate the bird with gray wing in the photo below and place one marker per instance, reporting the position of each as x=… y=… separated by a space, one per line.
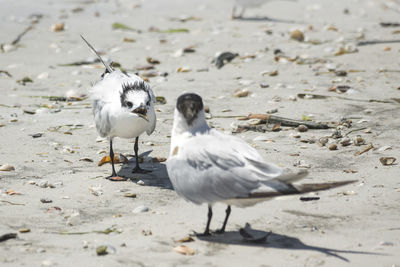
x=123 y=106
x=207 y=166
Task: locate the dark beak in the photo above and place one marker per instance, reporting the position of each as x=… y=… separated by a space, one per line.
x=141 y=112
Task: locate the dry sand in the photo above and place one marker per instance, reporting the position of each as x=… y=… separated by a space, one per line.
x=357 y=225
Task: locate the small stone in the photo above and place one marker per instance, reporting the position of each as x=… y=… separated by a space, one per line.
x=297 y=35
x=141 y=209
x=332 y=147
x=43 y=183
x=345 y=142
x=101 y=250
x=302 y=128
x=24 y=230
x=264 y=85
x=140 y=182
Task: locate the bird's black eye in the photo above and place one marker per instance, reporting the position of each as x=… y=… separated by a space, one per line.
x=148 y=103
x=129 y=104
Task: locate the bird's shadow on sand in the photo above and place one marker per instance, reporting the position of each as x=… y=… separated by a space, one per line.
x=275 y=240
x=266 y=19
x=158 y=176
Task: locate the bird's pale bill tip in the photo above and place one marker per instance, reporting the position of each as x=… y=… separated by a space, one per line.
x=142 y=116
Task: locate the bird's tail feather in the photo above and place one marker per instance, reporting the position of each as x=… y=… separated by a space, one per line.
x=108 y=67
x=301 y=189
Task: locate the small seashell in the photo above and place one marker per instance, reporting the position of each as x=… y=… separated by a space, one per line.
x=43 y=183
x=297 y=35
x=140 y=209
x=276 y=127
x=43 y=75
x=383 y=148
x=272 y=111
x=254 y=121
x=387 y=161
x=7 y=167
x=184 y=69
x=131 y=195
x=323 y=141
x=186 y=239
x=86 y=159
x=158 y=159
x=184 y=250
x=292 y=98
x=241 y=93
x=96 y=190
x=152 y=60
x=332 y=147
x=358 y=140
x=302 y=128
x=245 y=82
x=58 y=27
x=345 y=142
x=264 y=85
x=301 y=164
x=24 y=230
x=140 y=182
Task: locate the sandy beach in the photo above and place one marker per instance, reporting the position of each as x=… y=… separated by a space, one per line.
x=334 y=62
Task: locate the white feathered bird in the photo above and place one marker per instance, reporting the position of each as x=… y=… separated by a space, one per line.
x=207 y=166
x=123 y=106
x=243 y=4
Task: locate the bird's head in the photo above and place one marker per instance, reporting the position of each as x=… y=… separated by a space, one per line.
x=135 y=98
x=190 y=107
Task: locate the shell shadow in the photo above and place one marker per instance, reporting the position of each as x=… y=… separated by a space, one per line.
x=275 y=240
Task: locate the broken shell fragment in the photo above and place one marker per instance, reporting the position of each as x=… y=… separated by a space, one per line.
x=345 y=142
x=7 y=167
x=118 y=158
x=241 y=93
x=184 y=250
x=323 y=141
x=152 y=60
x=58 y=27
x=387 y=161
x=358 y=141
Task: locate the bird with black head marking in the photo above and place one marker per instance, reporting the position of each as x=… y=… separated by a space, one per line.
x=123 y=106
x=207 y=166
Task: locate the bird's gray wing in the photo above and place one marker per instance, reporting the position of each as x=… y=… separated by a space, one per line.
x=101 y=118
x=207 y=168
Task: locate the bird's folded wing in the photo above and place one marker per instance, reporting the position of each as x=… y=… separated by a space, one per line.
x=208 y=169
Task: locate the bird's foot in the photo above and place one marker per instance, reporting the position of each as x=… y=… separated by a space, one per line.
x=220 y=231
x=137 y=169
x=206 y=233
x=116 y=178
